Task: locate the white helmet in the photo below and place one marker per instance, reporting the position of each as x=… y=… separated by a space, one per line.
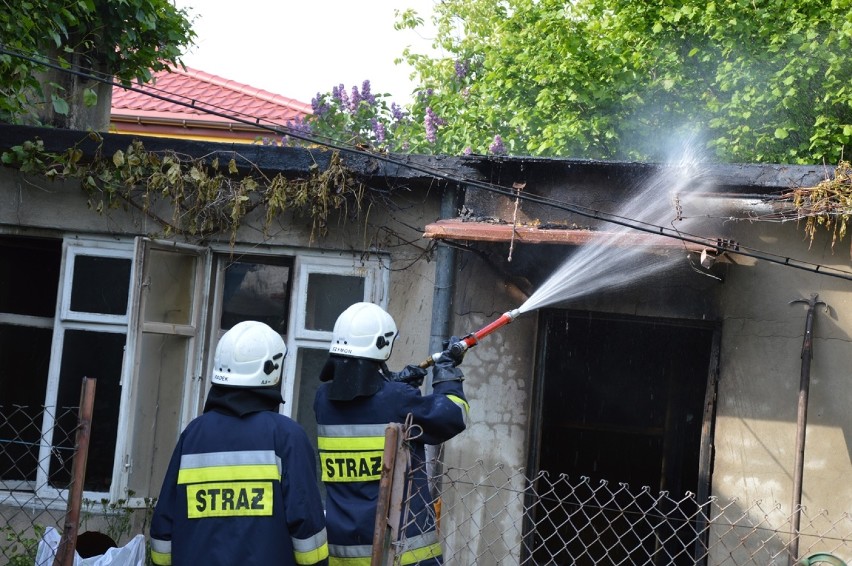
x=250 y=354
x=363 y=330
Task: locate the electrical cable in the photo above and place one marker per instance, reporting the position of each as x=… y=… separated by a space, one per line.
x=718 y=244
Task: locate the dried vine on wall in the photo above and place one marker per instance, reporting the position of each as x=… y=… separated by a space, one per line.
x=827 y=205
x=206 y=197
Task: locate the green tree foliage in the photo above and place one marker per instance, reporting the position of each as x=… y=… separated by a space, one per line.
x=758 y=80
x=125 y=39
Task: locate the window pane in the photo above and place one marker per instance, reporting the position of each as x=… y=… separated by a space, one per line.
x=26 y=355
x=328 y=296
x=171 y=282
x=100 y=284
x=29 y=275
x=158 y=407
x=309 y=362
x=256 y=291
x=97 y=355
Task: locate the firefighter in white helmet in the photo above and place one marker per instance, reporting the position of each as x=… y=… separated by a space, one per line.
x=241 y=485
x=359 y=398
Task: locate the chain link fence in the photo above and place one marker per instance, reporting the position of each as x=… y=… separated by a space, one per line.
x=37 y=449
x=494 y=515
x=35 y=489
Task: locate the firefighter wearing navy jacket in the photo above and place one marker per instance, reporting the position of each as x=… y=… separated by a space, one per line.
x=241 y=485
x=354 y=406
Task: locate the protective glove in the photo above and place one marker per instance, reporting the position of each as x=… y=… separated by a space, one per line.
x=445 y=366
x=411 y=374
x=454 y=349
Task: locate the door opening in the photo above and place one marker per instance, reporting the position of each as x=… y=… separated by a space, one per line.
x=620 y=400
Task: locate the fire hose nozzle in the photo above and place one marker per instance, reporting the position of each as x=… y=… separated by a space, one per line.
x=473 y=338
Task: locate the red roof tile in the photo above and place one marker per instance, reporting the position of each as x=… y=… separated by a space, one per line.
x=181 y=96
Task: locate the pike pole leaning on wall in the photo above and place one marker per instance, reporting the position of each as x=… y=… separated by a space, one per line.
x=802 y=421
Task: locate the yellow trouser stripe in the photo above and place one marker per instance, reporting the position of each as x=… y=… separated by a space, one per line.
x=335 y=561
x=161 y=559
x=312 y=556
x=419 y=554
x=230 y=473
x=409 y=557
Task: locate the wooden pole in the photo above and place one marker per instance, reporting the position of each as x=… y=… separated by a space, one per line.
x=68 y=542
x=383 y=534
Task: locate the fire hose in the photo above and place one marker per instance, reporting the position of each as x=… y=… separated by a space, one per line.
x=472 y=339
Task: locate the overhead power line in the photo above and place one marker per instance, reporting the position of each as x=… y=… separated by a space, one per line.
x=324 y=141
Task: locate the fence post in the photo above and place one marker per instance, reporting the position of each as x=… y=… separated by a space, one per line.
x=68 y=542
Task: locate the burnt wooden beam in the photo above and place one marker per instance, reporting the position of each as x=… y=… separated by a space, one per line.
x=478 y=231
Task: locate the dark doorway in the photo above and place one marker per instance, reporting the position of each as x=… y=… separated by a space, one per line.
x=621 y=400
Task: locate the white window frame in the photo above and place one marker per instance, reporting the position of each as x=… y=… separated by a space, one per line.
x=73 y=246
x=72 y=251
x=193 y=379
x=376 y=282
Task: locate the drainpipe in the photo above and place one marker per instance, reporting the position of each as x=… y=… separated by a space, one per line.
x=442 y=310
x=445 y=280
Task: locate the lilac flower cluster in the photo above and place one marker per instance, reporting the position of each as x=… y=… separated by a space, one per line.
x=378 y=130
x=430 y=123
x=341 y=96
x=300 y=126
x=354 y=100
x=319 y=105
x=497 y=147
x=366 y=94
x=462 y=68
x=397 y=112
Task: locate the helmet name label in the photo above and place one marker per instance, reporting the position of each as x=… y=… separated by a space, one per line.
x=351 y=466
x=229 y=499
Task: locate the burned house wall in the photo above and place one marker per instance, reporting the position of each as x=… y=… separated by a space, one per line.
x=760 y=374
x=753 y=433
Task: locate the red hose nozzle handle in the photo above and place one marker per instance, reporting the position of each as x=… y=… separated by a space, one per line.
x=473 y=338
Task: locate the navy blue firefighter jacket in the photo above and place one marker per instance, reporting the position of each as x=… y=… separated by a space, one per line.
x=351 y=444
x=240 y=491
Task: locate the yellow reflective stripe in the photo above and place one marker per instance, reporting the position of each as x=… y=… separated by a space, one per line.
x=229 y=499
x=460 y=402
x=312 y=556
x=161 y=559
x=312 y=549
x=360 y=555
x=351 y=466
x=233 y=473
x=351 y=442
x=419 y=554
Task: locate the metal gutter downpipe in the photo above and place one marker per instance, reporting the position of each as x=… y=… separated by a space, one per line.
x=442 y=311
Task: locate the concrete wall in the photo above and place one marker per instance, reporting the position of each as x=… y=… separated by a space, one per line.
x=761 y=367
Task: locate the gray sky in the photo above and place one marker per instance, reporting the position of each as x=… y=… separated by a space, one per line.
x=296 y=49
